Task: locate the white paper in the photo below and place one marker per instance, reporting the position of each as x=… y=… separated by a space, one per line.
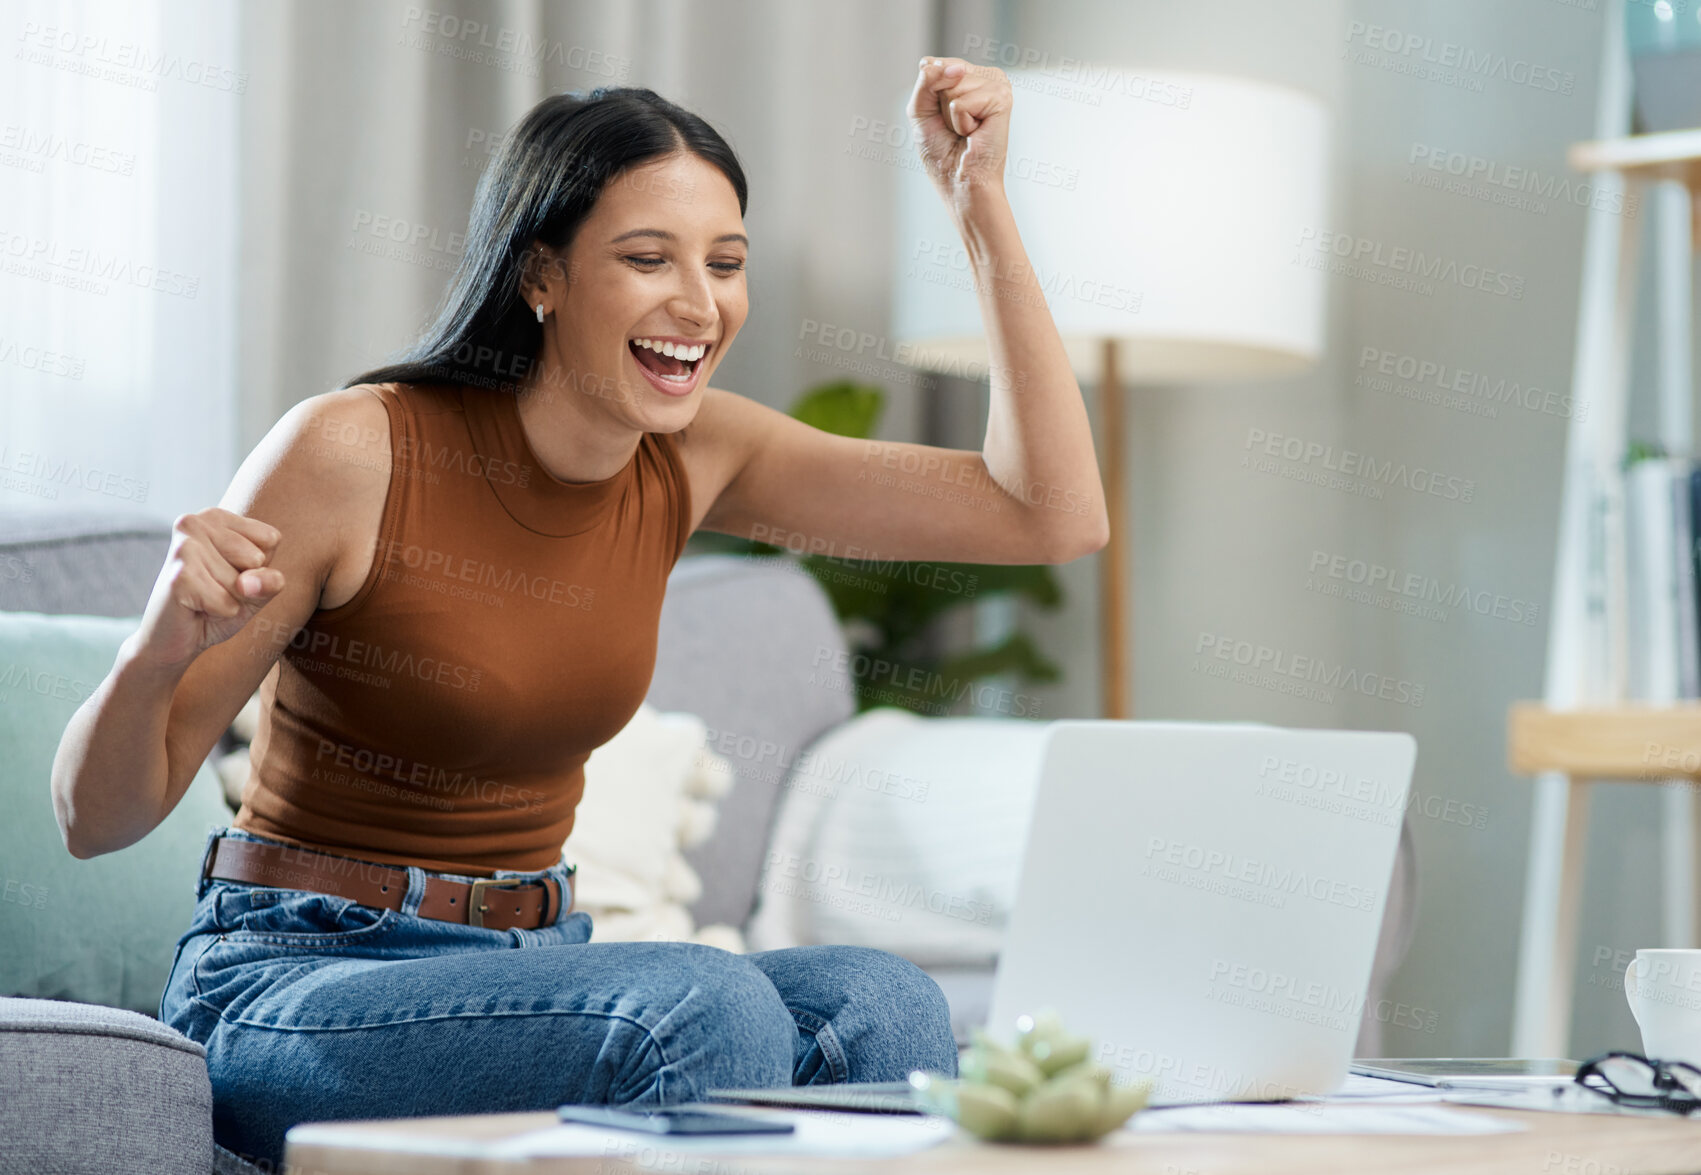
x=1320 y=1118
x=1359 y=1088
x=819 y=1132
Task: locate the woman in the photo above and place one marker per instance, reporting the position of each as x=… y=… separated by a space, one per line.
x=446 y=578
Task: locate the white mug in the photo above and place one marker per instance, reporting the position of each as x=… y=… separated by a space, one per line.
x=1663 y=988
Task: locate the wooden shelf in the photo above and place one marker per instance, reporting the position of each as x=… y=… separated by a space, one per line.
x=1645 y=744
x=1667 y=155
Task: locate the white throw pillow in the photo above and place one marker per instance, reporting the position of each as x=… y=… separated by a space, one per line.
x=904 y=833
x=649 y=793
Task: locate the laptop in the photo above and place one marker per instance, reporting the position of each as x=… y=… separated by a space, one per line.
x=1202 y=900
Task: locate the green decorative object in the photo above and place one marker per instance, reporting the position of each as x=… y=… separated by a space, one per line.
x=889 y=606
x=1043 y=1090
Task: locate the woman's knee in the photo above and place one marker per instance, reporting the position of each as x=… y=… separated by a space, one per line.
x=887 y=1014
x=727 y=1028
x=920 y=1011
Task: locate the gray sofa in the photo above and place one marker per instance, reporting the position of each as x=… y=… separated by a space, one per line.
x=738 y=638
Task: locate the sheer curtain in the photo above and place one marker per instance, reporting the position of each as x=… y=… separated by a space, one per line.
x=118 y=246
x=200 y=201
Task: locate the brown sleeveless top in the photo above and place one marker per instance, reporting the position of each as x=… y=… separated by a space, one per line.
x=442 y=716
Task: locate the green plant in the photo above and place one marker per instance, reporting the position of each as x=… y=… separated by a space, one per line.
x=1044 y=1089
x=890 y=607
x=1643 y=451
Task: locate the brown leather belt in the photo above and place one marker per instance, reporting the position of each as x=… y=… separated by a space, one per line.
x=492 y=903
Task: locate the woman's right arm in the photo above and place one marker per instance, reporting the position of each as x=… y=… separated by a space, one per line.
x=238 y=582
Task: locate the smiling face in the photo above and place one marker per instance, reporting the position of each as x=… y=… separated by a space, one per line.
x=646 y=298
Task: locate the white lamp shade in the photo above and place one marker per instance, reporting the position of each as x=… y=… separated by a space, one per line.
x=1160 y=209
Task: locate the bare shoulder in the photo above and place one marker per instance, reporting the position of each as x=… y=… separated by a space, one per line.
x=342 y=432
x=343 y=436
x=321 y=476
x=718 y=442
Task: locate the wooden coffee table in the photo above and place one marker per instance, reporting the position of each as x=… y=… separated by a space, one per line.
x=1552 y=1144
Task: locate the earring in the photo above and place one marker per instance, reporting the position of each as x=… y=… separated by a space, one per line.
x=540 y=311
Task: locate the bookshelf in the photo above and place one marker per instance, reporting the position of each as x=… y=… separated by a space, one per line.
x=1583 y=730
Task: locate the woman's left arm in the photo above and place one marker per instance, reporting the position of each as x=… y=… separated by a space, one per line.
x=1031 y=495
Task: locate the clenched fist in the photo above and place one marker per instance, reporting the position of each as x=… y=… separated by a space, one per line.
x=961 y=116
x=216 y=576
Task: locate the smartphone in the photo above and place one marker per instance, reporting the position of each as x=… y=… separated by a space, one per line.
x=671 y=1121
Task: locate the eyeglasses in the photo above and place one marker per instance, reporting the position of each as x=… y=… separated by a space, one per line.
x=1629 y=1079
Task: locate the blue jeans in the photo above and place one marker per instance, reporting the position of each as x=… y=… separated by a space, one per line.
x=313 y=1007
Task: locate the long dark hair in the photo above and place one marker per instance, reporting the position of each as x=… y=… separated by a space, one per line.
x=542 y=184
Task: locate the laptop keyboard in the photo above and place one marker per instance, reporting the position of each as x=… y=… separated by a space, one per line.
x=874 y=1097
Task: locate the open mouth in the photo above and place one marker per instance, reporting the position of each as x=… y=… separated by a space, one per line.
x=674 y=362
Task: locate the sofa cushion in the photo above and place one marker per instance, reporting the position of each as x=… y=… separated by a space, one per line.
x=99 y=1090
x=740 y=646
x=650 y=792
x=903 y=833
x=104 y=930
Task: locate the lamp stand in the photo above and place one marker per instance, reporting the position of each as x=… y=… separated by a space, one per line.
x=1114 y=691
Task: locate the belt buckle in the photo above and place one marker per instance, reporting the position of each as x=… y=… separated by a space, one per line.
x=475 y=899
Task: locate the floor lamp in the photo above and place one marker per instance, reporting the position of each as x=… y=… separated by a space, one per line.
x=1164 y=214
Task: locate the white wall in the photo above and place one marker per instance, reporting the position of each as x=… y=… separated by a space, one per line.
x=1222 y=549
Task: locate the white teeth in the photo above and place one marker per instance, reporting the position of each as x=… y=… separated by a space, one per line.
x=690 y=353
